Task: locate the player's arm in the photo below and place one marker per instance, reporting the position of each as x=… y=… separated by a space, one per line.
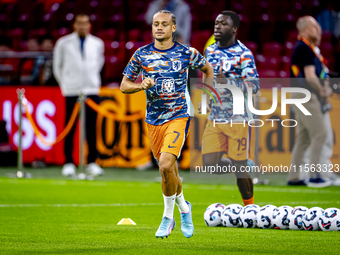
x=208 y=74
x=250 y=77
x=199 y=62
x=128 y=86
x=208 y=71
x=131 y=72
x=208 y=78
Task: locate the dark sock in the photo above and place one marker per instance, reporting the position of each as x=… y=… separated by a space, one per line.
x=245 y=186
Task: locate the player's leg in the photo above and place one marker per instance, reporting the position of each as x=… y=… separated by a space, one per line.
x=165 y=161
x=214 y=145
x=174 y=139
x=244 y=182
x=184 y=208
x=167 y=164
x=216 y=158
x=238 y=147
x=180 y=201
x=179 y=182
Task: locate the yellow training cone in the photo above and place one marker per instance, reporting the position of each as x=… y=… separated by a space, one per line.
x=126 y=221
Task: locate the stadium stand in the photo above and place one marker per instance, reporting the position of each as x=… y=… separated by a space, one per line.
x=267 y=27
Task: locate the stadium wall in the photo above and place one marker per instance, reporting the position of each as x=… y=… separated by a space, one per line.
x=124 y=143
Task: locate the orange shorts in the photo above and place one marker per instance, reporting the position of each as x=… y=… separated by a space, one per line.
x=169 y=137
x=224 y=138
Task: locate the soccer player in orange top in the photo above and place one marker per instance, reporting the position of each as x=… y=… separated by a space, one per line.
x=232 y=62
x=164 y=66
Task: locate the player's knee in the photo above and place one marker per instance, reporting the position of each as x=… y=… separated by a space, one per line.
x=240 y=173
x=165 y=168
x=209 y=159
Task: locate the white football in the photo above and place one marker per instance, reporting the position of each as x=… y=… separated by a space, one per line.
x=265 y=216
x=281 y=217
x=212 y=215
x=295 y=218
x=310 y=221
x=231 y=215
x=248 y=216
x=330 y=220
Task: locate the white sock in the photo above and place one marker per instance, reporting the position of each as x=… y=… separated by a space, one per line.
x=182 y=205
x=169 y=205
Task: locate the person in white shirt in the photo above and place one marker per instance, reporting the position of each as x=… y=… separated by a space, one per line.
x=77 y=61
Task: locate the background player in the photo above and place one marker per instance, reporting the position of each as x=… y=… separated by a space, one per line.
x=230 y=59
x=164 y=65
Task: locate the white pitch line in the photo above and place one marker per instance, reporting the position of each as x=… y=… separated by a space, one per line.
x=295 y=190
x=80 y=205
x=298 y=202
x=153 y=204
x=270 y=189
x=189 y=186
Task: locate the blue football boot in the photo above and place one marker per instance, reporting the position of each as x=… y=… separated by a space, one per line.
x=187 y=226
x=165 y=228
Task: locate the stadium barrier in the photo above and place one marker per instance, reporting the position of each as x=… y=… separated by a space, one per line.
x=122 y=140
x=110 y=115
x=20 y=93
x=62 y=135
x=76 y=110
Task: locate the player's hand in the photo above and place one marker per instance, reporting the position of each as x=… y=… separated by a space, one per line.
x=220 y=77
x=147 y=83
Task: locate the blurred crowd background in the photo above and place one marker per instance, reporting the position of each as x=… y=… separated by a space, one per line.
x=30 y=28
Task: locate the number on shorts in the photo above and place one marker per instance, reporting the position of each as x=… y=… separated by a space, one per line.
x=178 y=133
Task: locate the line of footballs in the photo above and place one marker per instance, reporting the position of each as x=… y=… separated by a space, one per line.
x=270 y=216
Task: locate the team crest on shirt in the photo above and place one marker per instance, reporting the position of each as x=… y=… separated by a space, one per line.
x=226 y=65
x=165 y=86
x=176 y=65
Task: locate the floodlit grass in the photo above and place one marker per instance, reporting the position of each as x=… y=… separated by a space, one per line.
x=60 y=216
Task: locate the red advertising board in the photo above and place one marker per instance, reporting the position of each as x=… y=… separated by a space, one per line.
x=47 y=107
x=120 y=143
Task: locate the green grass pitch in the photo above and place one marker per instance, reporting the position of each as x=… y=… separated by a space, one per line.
x=53 y=215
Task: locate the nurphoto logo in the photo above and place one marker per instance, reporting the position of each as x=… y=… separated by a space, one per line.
x=239 y=104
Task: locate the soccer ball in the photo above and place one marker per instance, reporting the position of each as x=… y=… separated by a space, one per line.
x=330 y=220
x=248 y=216
x=265 y=216
x=295 y=218
x=231 y=215
x=212 y=215
x=311 y=218
x=281 y=217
